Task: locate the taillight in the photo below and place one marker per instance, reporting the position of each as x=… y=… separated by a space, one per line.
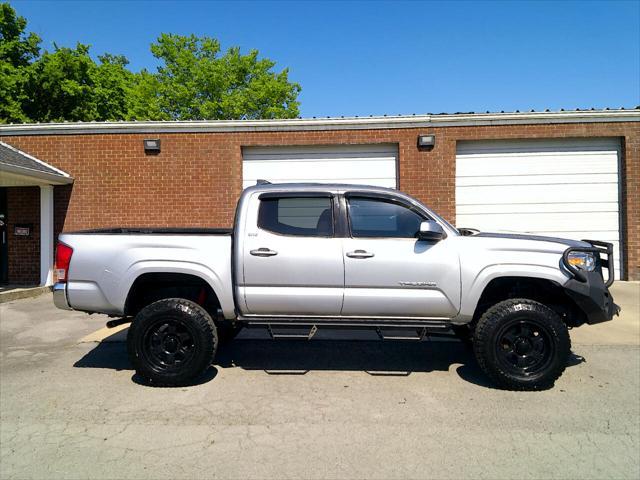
x=63 y=259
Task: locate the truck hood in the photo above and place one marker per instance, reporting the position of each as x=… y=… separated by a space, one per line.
x=535 y=238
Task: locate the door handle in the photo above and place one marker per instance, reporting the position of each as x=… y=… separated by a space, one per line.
x=263 y=252
x=359 y=254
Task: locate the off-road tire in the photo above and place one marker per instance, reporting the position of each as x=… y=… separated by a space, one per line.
x=172 y=342
x=501 y=337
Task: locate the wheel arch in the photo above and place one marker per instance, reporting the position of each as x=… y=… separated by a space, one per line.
x=148 y=287
x=540 y=289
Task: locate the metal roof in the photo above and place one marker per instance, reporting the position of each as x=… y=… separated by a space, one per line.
x=329 y=123
x=18 y=162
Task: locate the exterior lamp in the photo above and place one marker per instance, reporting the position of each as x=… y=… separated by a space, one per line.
x=152 y=145
x=426 y=141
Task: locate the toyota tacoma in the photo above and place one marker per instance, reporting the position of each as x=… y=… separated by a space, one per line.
x=310 y=256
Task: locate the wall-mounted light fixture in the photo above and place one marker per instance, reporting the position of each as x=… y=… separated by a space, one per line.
x=426 y=141
x=152 y=145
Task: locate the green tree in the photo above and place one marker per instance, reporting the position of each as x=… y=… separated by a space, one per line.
x=60 y=86
x=113 y=87
x=17 y=51
x=195 y=82
x=67 y=84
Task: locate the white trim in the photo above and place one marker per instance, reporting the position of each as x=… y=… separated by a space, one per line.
x=46 y=235
x=31 y=157
x=33 y=177
x=347 y=123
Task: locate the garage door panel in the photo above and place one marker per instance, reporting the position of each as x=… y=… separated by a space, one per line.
x=380 y=182
x=319 y=151
x=536 y=146
x=483 y=165
x=329 y=169
x=541 y=180
x=573 y=222
x=515 y=194
x=566 y=188
x=551 y=207
x=358 y=164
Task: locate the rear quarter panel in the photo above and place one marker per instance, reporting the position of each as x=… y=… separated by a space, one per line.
x=104 y=267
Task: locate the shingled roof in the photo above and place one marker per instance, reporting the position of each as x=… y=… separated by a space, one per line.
x=18 y=162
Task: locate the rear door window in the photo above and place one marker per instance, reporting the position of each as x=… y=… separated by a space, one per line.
x=301 y=216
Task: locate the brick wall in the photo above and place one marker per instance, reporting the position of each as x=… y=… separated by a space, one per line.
x=23 y=207
x=196 y=179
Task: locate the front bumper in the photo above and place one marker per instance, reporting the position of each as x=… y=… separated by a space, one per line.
x=60 y=296
x=588 y=289
x=593 y=298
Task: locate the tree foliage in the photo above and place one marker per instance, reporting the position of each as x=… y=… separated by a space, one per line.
x=17 y=51
x=194 y=80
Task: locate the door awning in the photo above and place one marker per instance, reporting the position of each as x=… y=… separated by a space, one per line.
x=18 y=168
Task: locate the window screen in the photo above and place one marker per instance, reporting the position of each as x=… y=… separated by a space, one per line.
x=306 y=216
x=380 y=218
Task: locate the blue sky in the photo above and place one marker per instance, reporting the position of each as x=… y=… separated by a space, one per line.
x=373 y=58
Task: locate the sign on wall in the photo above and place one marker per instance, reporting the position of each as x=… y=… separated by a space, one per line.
x=22 y=230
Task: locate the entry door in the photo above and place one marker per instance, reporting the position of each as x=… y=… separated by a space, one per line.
x=388 y=272
x=293 y=262
x=4 y=238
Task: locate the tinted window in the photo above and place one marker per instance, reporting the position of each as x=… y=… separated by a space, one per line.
x=307 y=216
x=380 y=218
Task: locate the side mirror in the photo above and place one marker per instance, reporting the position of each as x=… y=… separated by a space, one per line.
x=430 y=230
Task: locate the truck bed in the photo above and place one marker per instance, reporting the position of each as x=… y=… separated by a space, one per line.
x=154 y=231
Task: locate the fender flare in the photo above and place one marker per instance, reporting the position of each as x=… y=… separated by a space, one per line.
x=209 y=276
x=472 y=292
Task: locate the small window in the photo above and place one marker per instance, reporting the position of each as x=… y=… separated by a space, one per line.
x=304 y=216
x=380 y=218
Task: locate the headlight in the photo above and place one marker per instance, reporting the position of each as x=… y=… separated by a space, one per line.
x=582 y=260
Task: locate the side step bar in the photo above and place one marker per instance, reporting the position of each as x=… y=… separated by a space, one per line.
x=396 y=332
x=420 y=335
x=277 y=335
x=429 y=324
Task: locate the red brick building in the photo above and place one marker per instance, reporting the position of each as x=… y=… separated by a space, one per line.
x=572 y=174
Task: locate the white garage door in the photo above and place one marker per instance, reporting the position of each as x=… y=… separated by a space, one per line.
x=359 y=164
x=564 y=188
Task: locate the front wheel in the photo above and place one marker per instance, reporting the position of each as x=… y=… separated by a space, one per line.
x=522 y=345
x=172 y=341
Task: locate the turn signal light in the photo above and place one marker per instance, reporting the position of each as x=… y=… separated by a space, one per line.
x=63 y=259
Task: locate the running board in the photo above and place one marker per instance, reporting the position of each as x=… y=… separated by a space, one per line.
x=437 y=325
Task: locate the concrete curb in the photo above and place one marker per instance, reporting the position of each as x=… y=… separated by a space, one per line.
x=20 y=293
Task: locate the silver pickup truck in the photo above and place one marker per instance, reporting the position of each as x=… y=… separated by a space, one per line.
x=307 y=256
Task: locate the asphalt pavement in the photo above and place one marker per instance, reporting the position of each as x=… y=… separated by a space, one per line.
x=338 y=406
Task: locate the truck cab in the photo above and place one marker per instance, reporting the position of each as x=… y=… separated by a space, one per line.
x=343 y=252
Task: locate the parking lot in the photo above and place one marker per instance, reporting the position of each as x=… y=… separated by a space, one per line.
x=338 y=406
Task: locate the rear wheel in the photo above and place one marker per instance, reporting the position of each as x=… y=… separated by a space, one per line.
x=522 y=345
x=172 y=342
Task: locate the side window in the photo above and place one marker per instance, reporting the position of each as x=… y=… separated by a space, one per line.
x=304 y=216
x=380 y=218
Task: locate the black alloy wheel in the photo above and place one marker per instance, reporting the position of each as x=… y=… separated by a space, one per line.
x=524 y=346
x=168 y=344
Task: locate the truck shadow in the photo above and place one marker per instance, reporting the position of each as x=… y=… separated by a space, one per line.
x=298 y=357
